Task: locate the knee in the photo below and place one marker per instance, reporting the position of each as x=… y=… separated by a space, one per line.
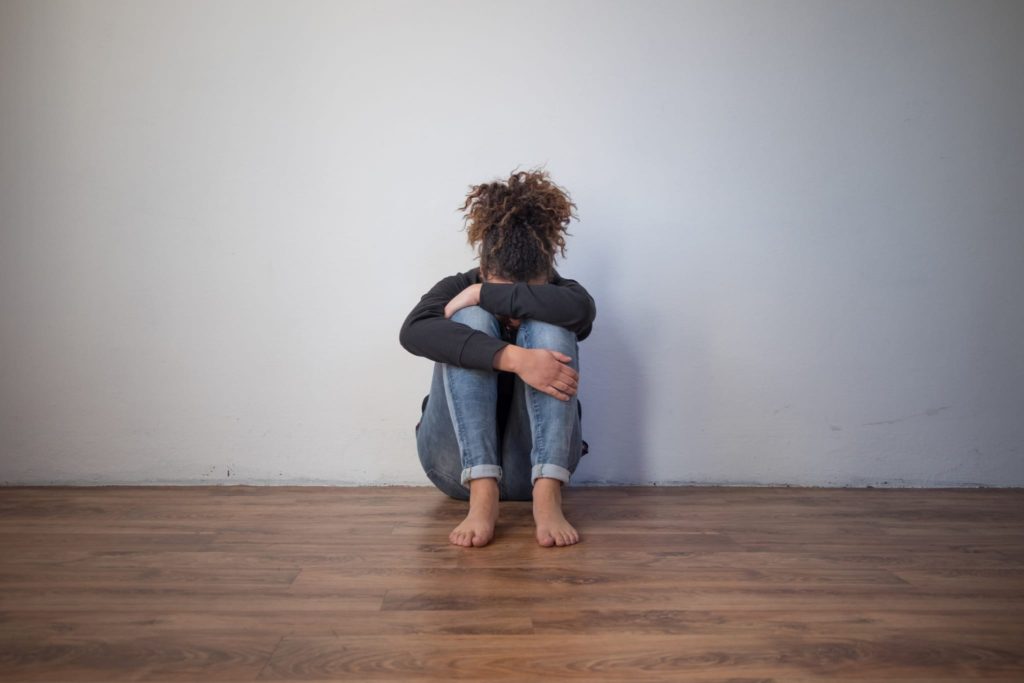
x=544 y=335
x=478 y=318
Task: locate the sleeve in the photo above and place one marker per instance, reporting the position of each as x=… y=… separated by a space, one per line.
x=563 y=302
x=427 y=333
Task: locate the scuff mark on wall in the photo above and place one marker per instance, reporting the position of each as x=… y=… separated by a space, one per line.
x=929 y=412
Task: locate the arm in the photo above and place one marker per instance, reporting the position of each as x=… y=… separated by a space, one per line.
x=427 y=333
x=563 y=302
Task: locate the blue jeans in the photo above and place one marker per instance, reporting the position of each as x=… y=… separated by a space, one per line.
x=457 y=437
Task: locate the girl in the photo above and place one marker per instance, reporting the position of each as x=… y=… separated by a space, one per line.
x=502 y=420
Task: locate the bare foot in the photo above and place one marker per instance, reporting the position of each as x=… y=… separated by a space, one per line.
x=478 y=527
x=552 y=527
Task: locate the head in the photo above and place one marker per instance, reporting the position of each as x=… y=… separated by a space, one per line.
x=518 y=225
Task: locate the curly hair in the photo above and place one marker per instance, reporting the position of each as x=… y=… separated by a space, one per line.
x=520 y=224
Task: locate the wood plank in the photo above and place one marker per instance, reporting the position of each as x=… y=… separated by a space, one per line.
x=598 y=657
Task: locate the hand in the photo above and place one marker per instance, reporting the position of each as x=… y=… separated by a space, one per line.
x=470 y=296
x=548 y=370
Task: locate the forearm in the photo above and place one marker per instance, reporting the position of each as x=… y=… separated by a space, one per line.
x=508 y=358
x=566 y=305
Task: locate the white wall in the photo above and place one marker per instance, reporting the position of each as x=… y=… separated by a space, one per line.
x=803 y=224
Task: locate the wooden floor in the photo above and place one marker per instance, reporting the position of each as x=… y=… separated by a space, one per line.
x=667 y=584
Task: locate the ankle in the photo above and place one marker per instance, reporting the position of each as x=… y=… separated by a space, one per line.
x=547 y=485
x=483 y=487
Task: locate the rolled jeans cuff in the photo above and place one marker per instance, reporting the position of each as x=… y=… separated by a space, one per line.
x=478 y=471
x=547 y=469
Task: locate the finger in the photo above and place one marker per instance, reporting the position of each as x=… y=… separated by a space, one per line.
x=554 y=391
x=570 y=373
x=567 y=388
x=567 y=382
x=561 y=356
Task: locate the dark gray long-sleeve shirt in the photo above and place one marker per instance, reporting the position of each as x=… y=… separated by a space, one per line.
x=426 y=332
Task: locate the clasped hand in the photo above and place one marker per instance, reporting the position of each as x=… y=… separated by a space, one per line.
x=546 y=370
